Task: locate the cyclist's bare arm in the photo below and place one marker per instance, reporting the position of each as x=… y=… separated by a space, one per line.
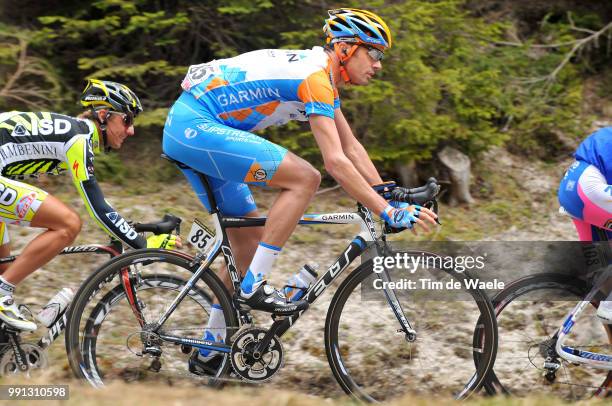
x=346 y=174
x=354 y=150
x=340 y=167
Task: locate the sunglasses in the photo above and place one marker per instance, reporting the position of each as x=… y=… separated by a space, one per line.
x=375 y=53
x=127 y=118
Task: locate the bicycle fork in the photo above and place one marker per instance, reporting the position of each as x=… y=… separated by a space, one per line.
x=396 y=307
x=575 y=355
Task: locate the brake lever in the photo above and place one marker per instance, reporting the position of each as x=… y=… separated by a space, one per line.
x=433 y=206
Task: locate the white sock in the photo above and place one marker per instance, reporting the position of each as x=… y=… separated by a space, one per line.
x=215 y=329
x=262 y=263
x=216 y=323
x=6 y=288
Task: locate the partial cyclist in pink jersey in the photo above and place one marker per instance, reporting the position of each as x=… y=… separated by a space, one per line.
x=586 y=189
x=586 y=194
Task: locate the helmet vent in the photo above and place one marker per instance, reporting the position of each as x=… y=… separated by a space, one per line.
x=363 y=28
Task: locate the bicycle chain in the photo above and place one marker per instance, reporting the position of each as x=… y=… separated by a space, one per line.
x=192 y=375
x=238 y=330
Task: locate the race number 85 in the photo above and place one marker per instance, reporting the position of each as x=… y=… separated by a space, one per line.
x=199 y=236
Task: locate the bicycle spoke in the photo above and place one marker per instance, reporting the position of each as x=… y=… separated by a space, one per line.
x=382 y=363
x=112 y=343
x=539 y=321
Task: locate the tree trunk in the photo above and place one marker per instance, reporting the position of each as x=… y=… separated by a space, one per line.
x=407 y=174
x=457 y=165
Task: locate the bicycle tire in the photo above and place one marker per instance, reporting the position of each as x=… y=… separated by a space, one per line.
x=547 y=281
x=370 y=385
x=93 y=303
x=88 y=347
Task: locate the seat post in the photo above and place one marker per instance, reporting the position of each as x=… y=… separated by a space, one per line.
x=209 y=194
x=211 y=198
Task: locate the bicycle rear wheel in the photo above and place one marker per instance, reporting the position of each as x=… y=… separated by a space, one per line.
x=529 y=312
x=104 y=338
x=372 y=361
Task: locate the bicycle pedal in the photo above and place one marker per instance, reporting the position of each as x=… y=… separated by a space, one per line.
x=204 y=368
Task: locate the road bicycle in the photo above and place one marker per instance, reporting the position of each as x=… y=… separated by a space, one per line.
x=379 y=345
x=550 y=338
x=18 y=356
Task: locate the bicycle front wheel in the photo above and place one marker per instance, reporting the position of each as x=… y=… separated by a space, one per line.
x=372 y=359
x=105 y=339
x=529 y=313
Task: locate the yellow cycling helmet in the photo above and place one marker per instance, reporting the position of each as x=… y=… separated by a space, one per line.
x=357 y=26
x=104 y=94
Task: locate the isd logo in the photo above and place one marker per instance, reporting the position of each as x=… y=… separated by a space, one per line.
x=20 y=131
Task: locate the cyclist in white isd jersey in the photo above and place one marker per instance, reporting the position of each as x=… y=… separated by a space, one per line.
x=209 y=128
x=32 y=143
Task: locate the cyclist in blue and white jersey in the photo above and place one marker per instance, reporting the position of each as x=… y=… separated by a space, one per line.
x=210 y=126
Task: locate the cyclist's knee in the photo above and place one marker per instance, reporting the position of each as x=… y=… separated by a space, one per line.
x=296 y=174
x=313 y=179
x=71 y=227
x=309 y=178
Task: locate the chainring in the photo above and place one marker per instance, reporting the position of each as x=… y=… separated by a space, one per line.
x=36 y=358
x=245 y=363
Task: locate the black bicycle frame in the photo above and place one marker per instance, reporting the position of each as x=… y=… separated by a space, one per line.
x=281 y=323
